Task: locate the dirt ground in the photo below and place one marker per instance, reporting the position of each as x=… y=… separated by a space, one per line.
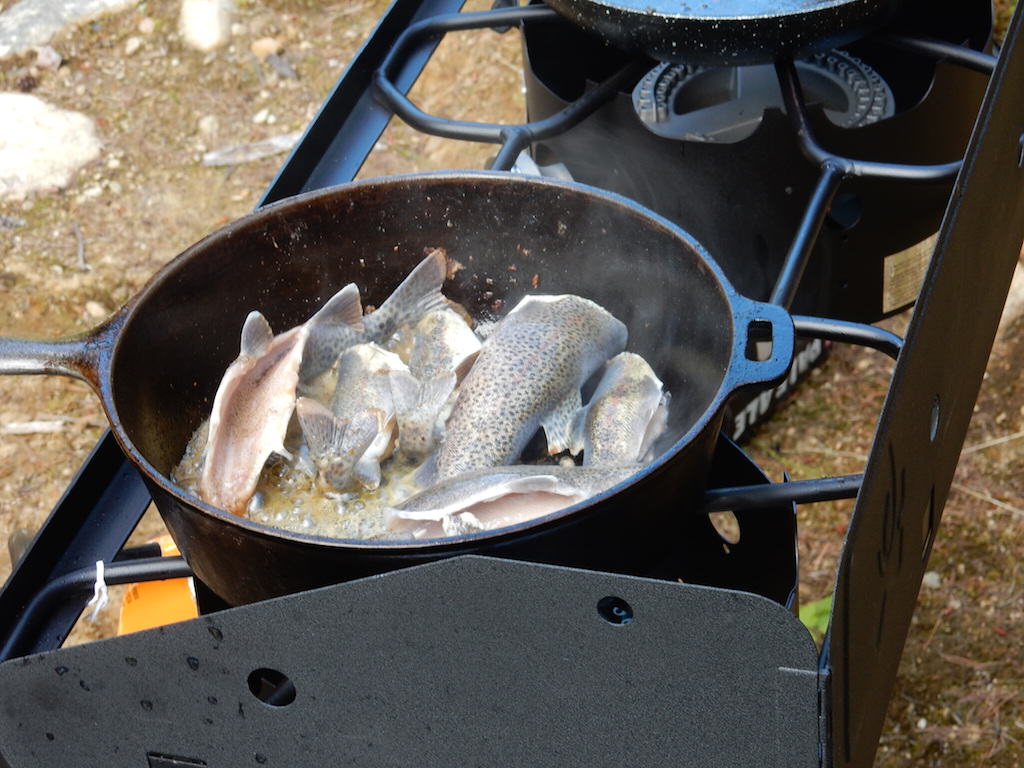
x=958 y=700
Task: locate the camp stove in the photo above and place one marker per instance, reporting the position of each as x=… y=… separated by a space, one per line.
x=844 y=169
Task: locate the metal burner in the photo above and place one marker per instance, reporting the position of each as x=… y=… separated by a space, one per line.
x=726 y=104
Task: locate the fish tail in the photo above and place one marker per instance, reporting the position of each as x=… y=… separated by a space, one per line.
x=336 y=325
x=418 y=295
x=335 y=445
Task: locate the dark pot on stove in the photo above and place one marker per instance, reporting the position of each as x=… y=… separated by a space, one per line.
x=156 y=363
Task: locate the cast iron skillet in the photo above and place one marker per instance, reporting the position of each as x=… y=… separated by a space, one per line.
x=157 y=362
x=726 y=32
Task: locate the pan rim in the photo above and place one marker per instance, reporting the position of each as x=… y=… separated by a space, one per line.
x=643 y=9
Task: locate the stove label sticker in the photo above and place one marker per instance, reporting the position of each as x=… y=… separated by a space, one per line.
x=759 y=406
x=903 y=274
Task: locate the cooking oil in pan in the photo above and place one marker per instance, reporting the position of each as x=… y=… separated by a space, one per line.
x=289 y=497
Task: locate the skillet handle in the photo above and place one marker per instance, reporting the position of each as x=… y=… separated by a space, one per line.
x=759 y=321
x=81 y=357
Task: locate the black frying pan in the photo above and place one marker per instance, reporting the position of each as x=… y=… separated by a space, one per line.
x=726 y=32
x=157 y=363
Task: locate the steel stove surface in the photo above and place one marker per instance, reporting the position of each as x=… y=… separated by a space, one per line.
x=824 y=711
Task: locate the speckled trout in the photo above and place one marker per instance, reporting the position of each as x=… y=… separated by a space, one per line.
x=625 y=415
x=443 y=350
x=334 y=436
x=527 y=375
x=495 y=497
x=254 y=404
x=417 y=295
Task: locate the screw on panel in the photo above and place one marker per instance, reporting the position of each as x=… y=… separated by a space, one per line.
x=615 y=610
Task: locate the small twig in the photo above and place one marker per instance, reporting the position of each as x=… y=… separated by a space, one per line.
x=517 y=68
x=970 y=663
x=82 y=263
x=990 y=443
x=41 y=426
x=931 y=635
x=990 y=499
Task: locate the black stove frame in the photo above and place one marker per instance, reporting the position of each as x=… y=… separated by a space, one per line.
x=900 y=495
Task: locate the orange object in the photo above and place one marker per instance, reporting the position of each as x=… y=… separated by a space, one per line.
x=149 y=604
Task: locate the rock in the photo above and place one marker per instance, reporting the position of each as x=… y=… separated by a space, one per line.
x=208 y=126
x=31 y=23
x=96 y=310
x=244 y=153
x=132 y=45
x=282 y=67
x=264 y=47
x=205 y=24
x=41 y=146
x=261 y=117
x=26 y=84
x=146 y=26
x=10 y=222
x=931 y=580
x=48 y=58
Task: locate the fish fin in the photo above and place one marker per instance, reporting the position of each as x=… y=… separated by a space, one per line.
x=321 y=427
x=435 y=393
x=381 y=427
x=427 y=276
x=558 y=424
x=429 y=397
x=417 y=295
x=424 y=475
x=367 y=473
x=335 y=444
x=390 y=429
x=463 y=367
x=343 y=308
x=362 y=429
x=405 y=390
x=256 y=335
x=577 y=431
x=418 y=408
x=424 y=284
x=336 y=325
x=655 y=427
